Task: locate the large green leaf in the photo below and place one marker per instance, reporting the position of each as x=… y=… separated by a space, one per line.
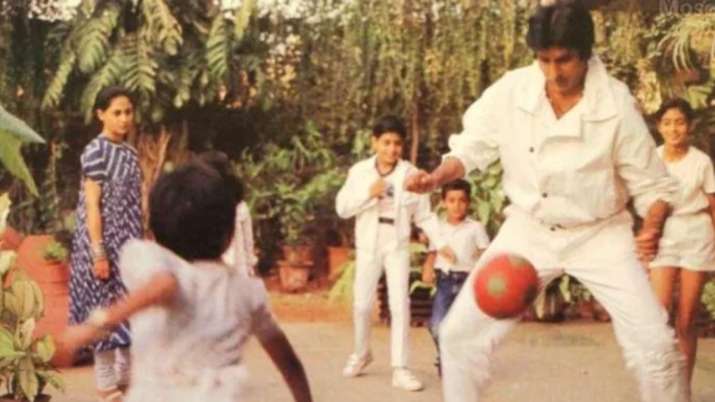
x=7 y=346
x=12 y=160
x=45 y=348
x=28 y=379
x=16 y=127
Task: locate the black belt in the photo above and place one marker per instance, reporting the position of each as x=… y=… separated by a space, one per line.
x=386 y=221
x=457 y=275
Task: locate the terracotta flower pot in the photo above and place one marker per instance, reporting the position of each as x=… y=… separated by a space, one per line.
x=301 y=255
x=337 y=256
x=11 y=239
x=53 y=279
x=293 y=277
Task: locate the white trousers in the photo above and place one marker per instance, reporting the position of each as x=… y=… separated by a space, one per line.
x=369 y=268
x=602 y=257
x=111 y=368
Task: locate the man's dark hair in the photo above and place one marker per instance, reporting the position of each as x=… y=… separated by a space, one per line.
x=459 y=185
x=676 y=103
x=389 y=124
x=565 y=24
x=220 y=162
x=193 y=212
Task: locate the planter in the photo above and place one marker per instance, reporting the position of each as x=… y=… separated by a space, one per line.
x=337 y=256
x=299 y=255
x=40 y=398
x=293 y=276
x=11 y=239
x=53 y=280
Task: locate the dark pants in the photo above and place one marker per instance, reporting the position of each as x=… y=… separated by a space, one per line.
x=448 y=286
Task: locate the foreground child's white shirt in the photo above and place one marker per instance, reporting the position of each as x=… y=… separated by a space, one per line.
x=354 y=199
x=191 y=350
x=575 y=170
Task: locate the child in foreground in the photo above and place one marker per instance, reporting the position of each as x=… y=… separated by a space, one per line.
x=191 y=314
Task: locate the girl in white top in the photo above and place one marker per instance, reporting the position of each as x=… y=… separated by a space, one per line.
x=687 y=247
x=191 y=314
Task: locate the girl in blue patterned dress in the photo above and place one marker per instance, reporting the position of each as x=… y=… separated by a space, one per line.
x=109 y=213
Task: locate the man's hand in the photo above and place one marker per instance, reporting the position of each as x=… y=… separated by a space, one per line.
x=647 y=244
x=420 y=182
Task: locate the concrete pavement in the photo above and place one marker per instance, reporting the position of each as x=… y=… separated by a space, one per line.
x=571 y=362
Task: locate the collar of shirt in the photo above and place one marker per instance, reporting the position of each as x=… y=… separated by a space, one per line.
x=598 y=98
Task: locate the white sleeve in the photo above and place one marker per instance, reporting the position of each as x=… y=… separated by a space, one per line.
x=140 y=260
x=708 y=177
x=476 y=146
x=428 y=222
x=354 y=196
x=482 y=238
x=262 y=321
x=638 y=164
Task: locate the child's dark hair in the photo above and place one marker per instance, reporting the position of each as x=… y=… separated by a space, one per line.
x=105 y=97
x=389 y=124
x=457 y=185
x=566 y=24
x=676 y=103
x=193 y=212
x=220 y=162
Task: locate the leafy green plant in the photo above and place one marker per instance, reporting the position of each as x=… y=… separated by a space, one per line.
x=708 y=298
x=25 y=366
x=342 y=289
x=55 y=252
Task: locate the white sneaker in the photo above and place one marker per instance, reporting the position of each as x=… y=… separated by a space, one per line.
x=356 y=365
x=403 y=378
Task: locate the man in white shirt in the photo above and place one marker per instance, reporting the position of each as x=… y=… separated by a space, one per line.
x=574 y=149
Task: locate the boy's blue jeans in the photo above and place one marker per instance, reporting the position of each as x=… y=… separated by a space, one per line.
x=448 y=286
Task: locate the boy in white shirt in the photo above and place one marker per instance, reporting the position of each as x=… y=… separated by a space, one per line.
x=383 y=211
x=449 y=266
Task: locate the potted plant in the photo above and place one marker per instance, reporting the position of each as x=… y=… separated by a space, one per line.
x=25 y=361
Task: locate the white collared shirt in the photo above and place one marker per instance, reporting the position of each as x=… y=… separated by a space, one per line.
x=694 y=173
x=467 y=239
x=571 y=171
x=354 y=200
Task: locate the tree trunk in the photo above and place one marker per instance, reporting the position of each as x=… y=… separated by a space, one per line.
x=152 y=151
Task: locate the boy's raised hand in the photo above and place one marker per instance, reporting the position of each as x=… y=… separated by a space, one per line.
x=377 y=189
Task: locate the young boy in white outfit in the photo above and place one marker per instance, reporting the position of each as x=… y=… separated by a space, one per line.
x=574 y=149
x=465 y=240
x=384 y=212
x=191 y=314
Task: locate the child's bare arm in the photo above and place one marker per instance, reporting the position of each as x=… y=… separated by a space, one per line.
x=279 y=349
x=428 y=274
x=160 y=289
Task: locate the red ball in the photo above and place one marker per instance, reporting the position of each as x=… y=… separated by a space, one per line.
x=506 y=286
